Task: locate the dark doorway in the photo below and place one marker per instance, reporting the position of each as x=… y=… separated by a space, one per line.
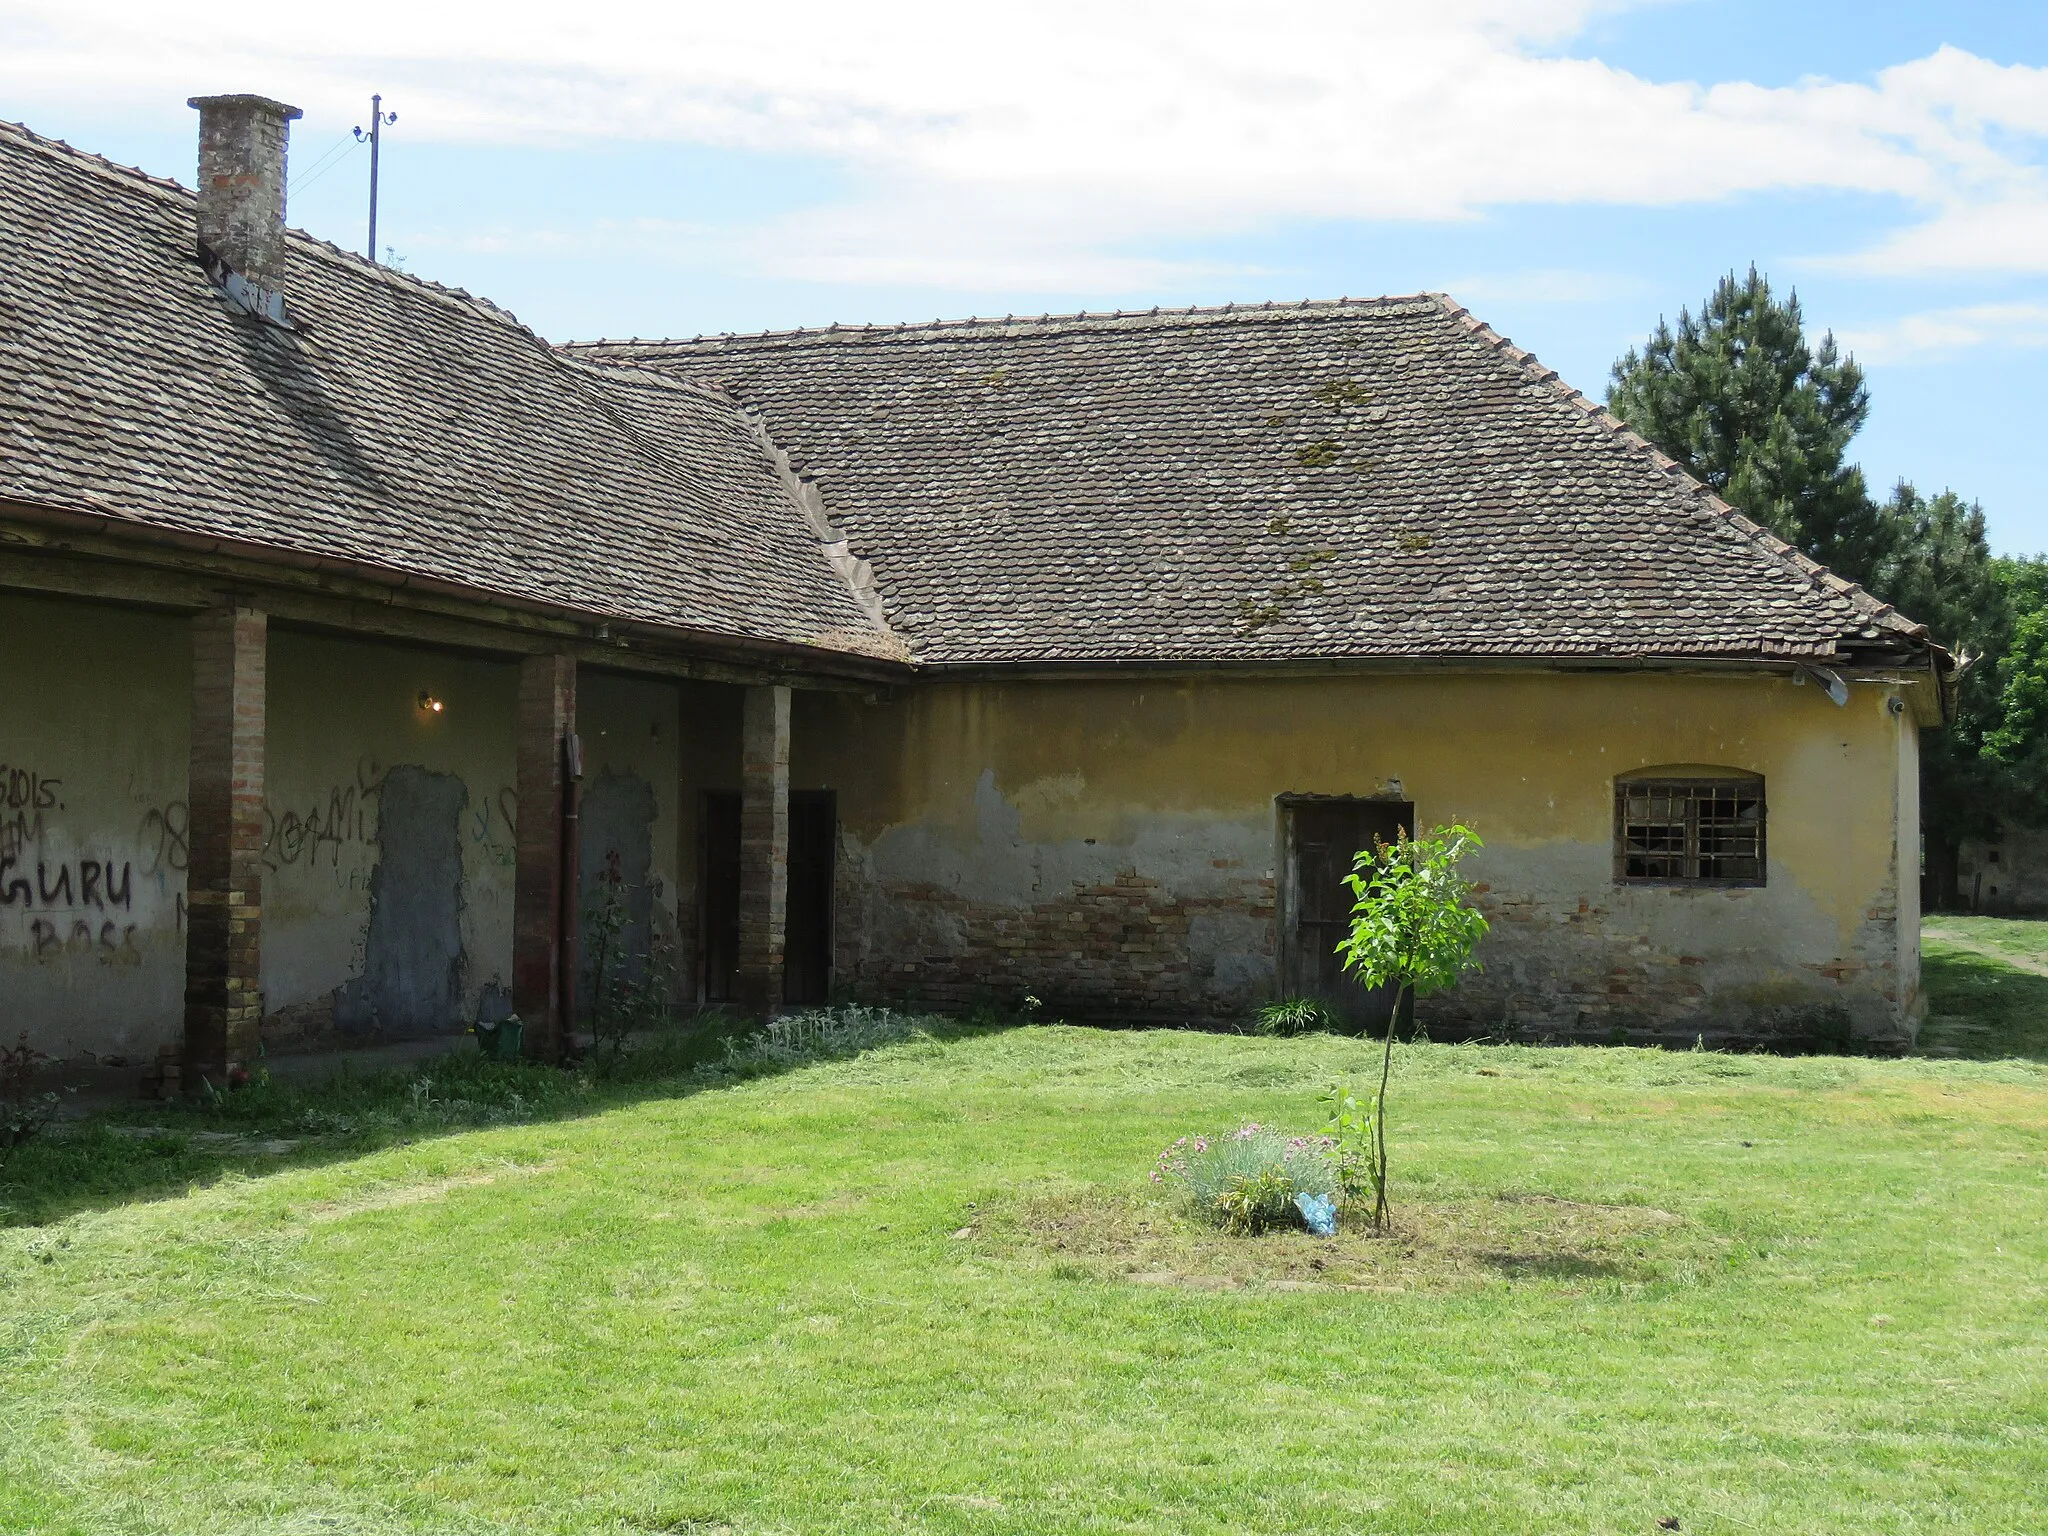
x=807 y=943
x=1320 y=838
x=807 y=932
x=721 y=895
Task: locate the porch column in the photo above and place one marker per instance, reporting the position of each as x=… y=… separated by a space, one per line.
x=543 y=909
x=764 y=848
x=224 y=871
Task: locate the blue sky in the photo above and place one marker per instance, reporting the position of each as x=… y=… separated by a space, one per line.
x=1571 y=169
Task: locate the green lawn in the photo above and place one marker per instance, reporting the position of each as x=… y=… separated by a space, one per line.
x=1987 y=987
x=927 y=1289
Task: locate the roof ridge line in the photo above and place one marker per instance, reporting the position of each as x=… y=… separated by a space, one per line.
x=171 y=190
x=92 y=161
x=1868 y=604
x=399 y=276
x=620 y=375
x=1268 y=310
x=833 y=543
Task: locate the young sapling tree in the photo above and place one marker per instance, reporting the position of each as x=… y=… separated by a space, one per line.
x=1413 y=928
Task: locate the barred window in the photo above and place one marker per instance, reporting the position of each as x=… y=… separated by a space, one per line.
x=1689 y=831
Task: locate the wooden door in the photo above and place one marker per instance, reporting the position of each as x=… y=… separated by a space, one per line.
x=1321 y=839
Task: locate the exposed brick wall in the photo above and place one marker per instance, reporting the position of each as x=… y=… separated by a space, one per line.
x=764 y=847
x=1586 y=970
x=224 y=876
x=547 y=714
x=1128 y=947
x=301 y=1027
x=1133 y=948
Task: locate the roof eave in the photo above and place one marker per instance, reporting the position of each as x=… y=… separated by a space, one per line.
x=1863 y=661
x=712 y=644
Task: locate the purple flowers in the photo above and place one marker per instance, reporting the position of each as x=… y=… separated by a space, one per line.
x=1251 y=1179
x=1173 y=1162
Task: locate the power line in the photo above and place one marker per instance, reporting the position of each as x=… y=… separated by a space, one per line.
x=306 y=172
x=327 y=162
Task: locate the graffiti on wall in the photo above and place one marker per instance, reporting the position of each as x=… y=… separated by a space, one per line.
x=25 y=789
x=166 y=833
x=75 y=905
x=494 y=827
x=25 y=797
x=342 y=817
x=111 y=944
x=97 y=885
x=73 y=901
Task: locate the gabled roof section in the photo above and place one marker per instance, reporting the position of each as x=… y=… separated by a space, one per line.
x=408 y=428
x=1354 y=479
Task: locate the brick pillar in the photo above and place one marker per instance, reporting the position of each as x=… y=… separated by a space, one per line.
x=547 y=714
x=764 y=848
x=224 y=874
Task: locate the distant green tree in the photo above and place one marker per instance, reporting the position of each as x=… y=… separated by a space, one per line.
x=1992 y=770
x=1739 y=397
x=2018 y=741
x=1938 y=569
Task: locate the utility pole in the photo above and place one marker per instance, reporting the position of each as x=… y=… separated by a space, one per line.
x=379 y=121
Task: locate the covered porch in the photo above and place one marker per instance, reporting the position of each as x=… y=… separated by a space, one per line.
x=313 y=823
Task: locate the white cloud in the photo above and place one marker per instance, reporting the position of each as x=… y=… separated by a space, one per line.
x=1040 y=144
x=1937 y=334
x=2006 y=235
x=912 y=249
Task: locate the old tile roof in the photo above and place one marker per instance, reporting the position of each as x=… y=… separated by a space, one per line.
x=410 y=428
x=1353 y=479
x=1346 y=479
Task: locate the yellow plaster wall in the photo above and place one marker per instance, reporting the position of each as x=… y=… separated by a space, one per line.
x=93 y=756
x=1106 y=843
x=959 y=800
x=342 y=715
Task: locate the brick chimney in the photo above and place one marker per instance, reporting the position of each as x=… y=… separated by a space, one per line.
x=242 y=143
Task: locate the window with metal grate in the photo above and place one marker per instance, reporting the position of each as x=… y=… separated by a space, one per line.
x=1689 y=831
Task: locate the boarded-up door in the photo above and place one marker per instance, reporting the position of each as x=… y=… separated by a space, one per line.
x=1321 y=838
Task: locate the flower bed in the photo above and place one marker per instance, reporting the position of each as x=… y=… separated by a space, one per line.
x=1255 y=1180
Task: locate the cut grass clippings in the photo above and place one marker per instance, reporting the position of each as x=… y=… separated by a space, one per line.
x=1438 y=1246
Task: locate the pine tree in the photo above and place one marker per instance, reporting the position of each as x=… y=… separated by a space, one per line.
x=1738 y=397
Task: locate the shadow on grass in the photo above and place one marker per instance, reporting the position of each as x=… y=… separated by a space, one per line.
x=153 y=1151
x=1981 y=1009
